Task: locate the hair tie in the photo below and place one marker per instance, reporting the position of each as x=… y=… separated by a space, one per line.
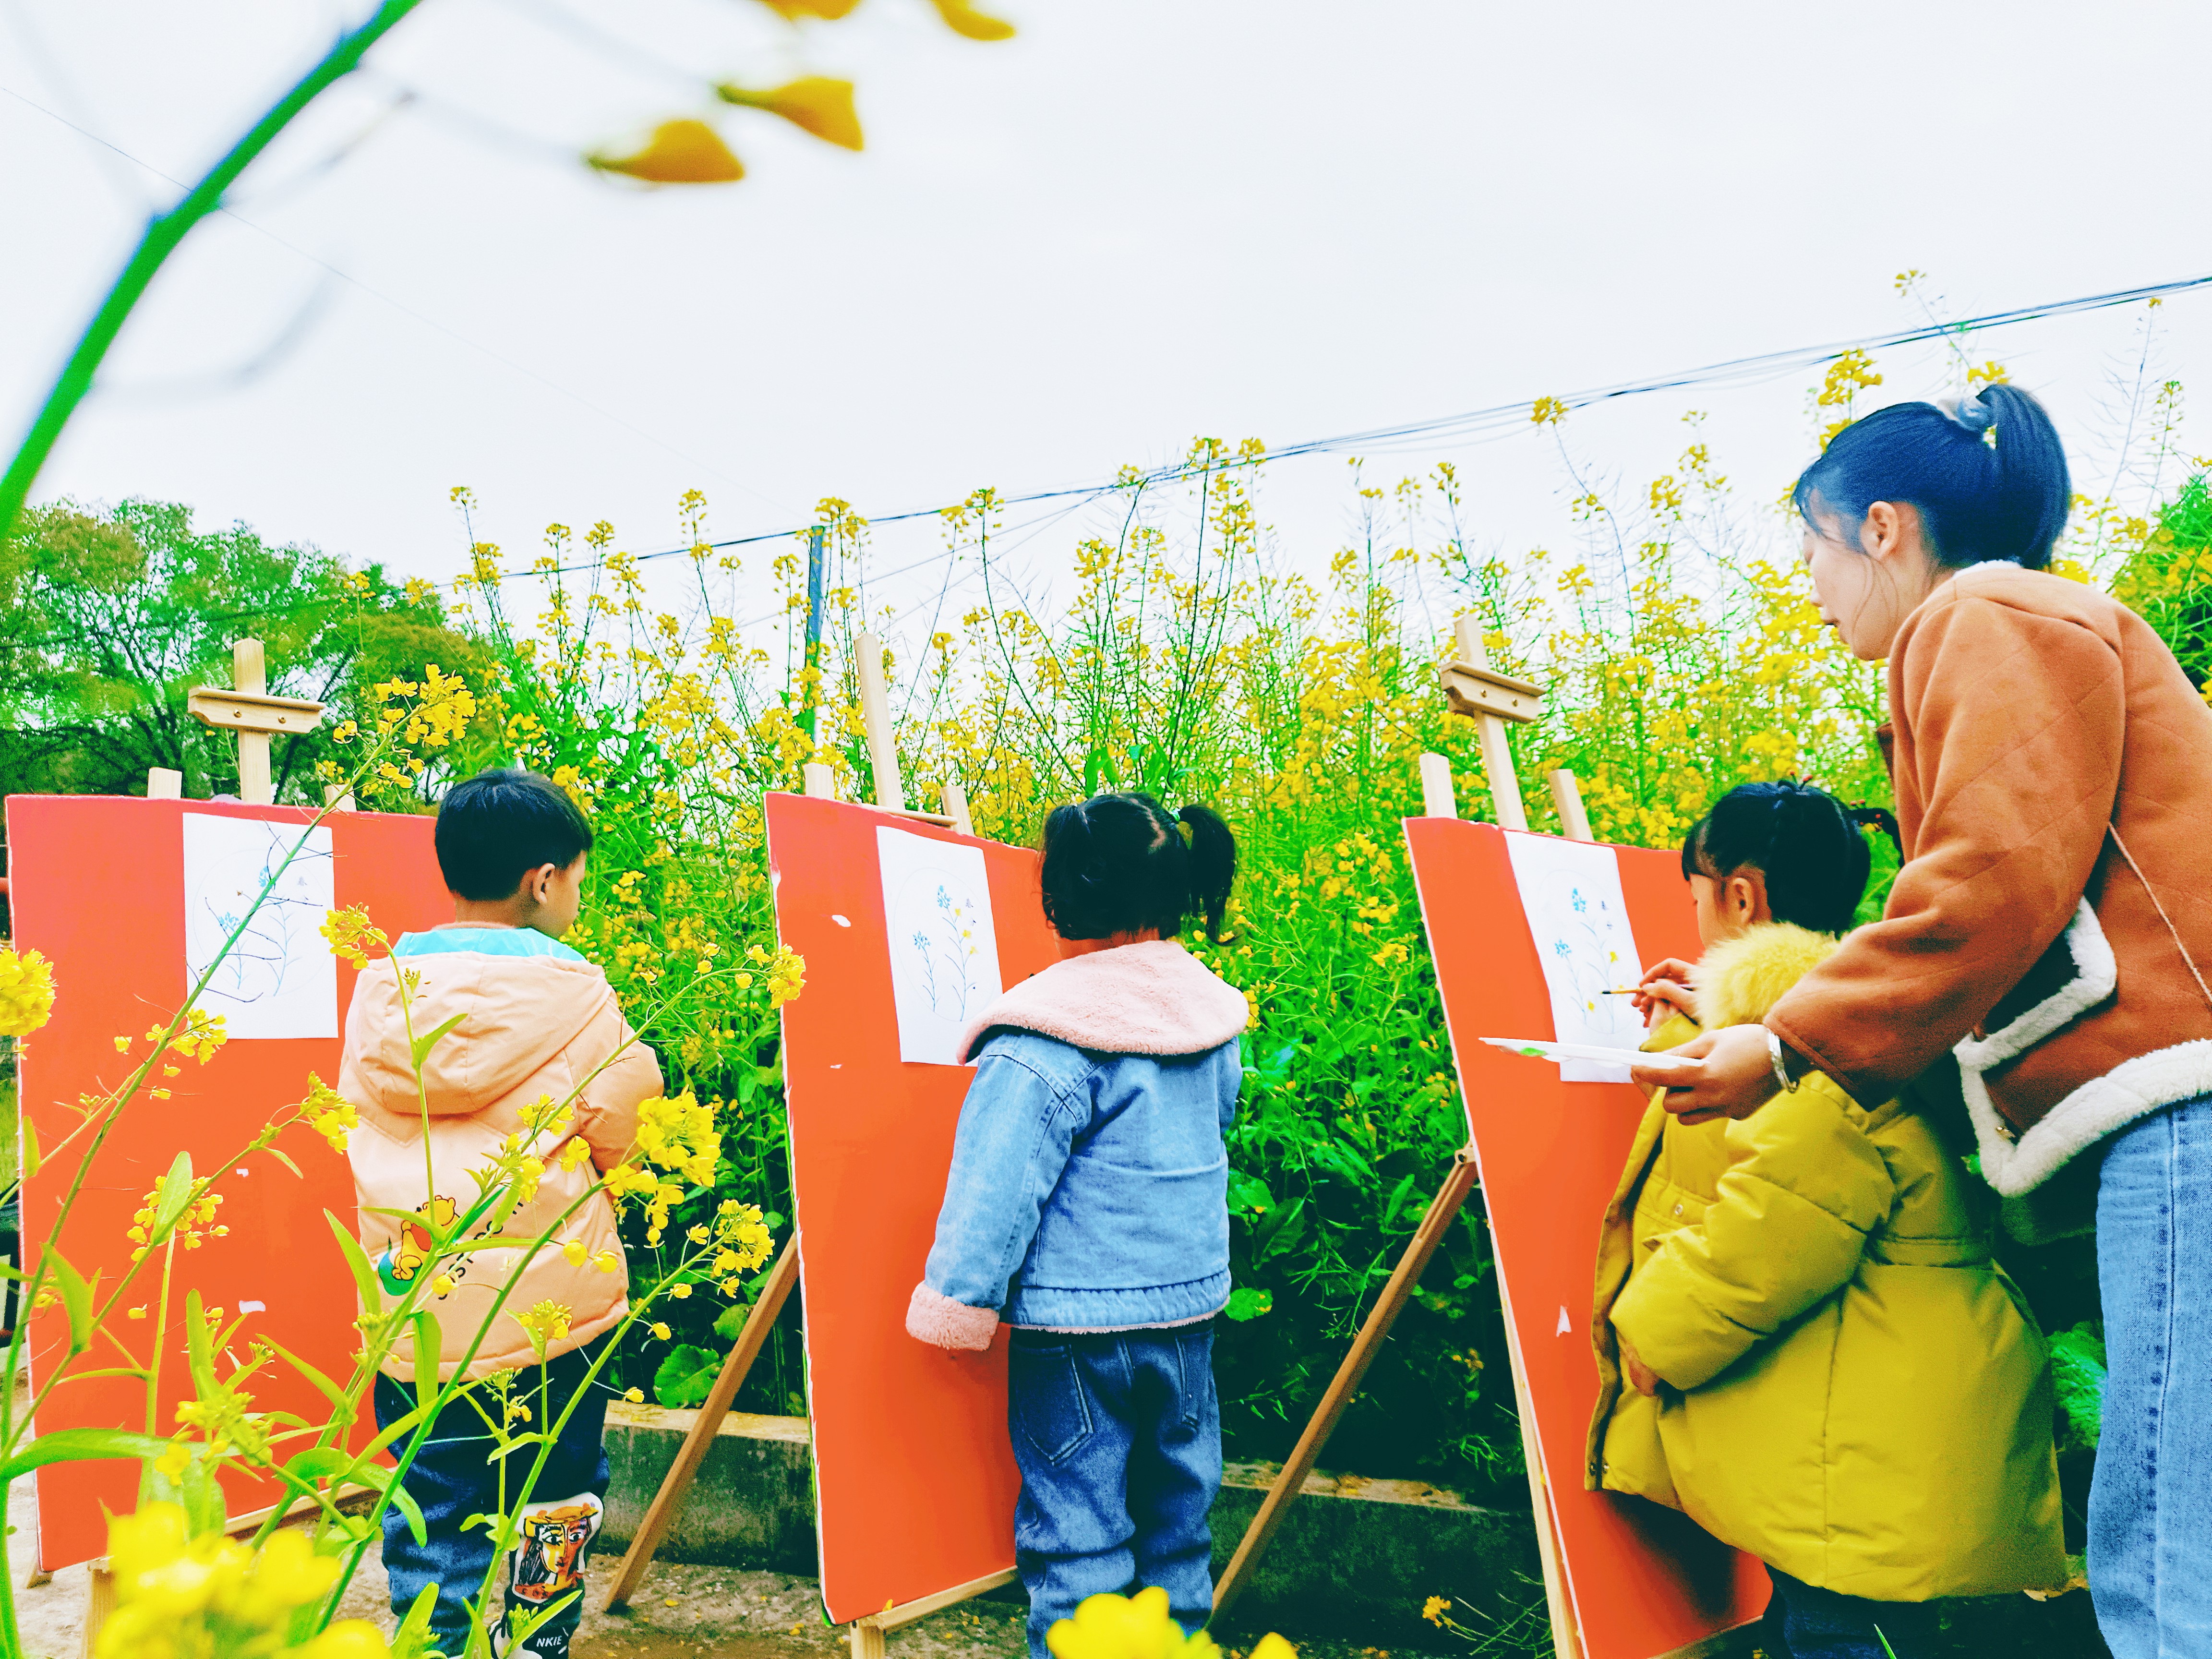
x=1969 y=412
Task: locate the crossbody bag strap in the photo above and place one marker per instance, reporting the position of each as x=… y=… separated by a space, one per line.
x=2187 y=961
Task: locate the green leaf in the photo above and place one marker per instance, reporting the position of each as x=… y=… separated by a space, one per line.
x=284 y=1159
x=327 y=1389
x=319 y=1464
x=30 y=1146
x=199 y=1345
x=1280 y=1229
x=521 y=1625
x=201 y=1493
x=77 y=1300
x=2077 y=1377
x=1245 y=1302
x=424 y=1044
x=685 y=1376
x=1249 y=1195
x=1397 y=1199
x=80 y=1446
x=730 y=1323
x=174 y=1192
x=430 y=1348
x=412 y=1638
x=376 y=1475
x=364 y=1276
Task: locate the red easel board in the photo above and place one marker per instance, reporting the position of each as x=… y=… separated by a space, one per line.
x=97 y=885
x=914 y=1475
x=1643 y=1581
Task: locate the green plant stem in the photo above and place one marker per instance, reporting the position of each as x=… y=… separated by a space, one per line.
x=162 y=237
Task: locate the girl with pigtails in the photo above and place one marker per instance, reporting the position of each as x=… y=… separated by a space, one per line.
x=2045 y=951
x=1087 y=1210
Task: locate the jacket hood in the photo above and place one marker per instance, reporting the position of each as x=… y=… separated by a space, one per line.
x=1150 y=997
x=1740 y=979
x=513 y=1014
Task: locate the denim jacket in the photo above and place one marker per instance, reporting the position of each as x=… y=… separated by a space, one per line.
x=1090 y=1179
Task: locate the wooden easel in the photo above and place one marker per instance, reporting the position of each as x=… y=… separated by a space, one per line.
x=1473 y=688
x=246 y=708
x=868 y=1633
x=249 y=709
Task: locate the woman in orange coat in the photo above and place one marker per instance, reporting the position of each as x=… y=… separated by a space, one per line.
x=2051 y=927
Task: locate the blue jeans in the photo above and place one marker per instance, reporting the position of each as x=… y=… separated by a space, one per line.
x=1118 y=1438
x=2150 y=1504
x=452 y=1478
x=1818 y=1623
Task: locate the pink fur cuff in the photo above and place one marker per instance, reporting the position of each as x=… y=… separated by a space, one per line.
x=947 y=1323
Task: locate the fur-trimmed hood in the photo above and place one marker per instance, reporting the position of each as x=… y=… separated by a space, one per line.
x=1738 y=980
x=1150 y=997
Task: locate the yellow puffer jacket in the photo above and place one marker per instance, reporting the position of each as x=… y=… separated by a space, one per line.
x=1853 y=1391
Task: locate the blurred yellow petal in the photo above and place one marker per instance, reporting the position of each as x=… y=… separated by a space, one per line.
x=963 y=19
x=685 y=152
x=793 y=11
x=814 y=103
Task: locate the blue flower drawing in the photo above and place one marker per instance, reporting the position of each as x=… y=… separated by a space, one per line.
x=945 y=952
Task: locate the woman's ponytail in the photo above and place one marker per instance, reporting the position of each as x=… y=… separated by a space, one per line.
x=2033 y=489
x=1985 y=471
x=1212 y=863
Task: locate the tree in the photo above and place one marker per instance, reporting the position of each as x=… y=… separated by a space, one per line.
x=108 y=621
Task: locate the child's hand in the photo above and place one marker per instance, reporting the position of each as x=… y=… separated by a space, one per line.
x=1641 y=1376
x=1665 y=985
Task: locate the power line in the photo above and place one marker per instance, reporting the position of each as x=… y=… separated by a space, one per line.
x=1735 y=370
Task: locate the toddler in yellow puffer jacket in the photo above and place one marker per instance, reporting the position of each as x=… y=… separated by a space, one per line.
x=1804 y=1343
x=531 y=1020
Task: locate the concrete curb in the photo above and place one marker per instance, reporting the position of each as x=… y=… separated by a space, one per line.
x=1354 y=1556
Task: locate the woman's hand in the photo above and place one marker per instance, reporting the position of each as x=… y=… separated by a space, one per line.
x=1665 y=985
x=1641 y=1377
x=1736 y=1080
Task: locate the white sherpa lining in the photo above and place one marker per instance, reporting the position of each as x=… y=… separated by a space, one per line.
x=1150 y=997
x=2128 y=1091
x=2097 y=973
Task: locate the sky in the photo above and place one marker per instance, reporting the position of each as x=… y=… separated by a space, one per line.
x=1136 y=223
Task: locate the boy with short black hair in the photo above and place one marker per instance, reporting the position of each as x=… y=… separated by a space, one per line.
x=536 y=1019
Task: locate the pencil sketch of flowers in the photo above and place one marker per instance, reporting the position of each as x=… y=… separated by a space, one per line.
x=945 y=948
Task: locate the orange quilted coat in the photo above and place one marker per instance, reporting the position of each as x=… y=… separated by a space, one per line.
x=530 y=1026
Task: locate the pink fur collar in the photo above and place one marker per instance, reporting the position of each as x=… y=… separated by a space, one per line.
x=1152 y=998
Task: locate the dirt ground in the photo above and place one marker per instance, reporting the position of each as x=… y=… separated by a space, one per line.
x=682 y=1612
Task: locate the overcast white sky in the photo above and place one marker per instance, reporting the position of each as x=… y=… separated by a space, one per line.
x=1140 y=222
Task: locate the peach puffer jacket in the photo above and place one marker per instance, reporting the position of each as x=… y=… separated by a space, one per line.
x=529 y=1026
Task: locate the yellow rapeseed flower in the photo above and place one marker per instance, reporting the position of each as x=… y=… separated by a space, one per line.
x=27 y=992
x=963 y=19
x=684 y=152
x=813 y=103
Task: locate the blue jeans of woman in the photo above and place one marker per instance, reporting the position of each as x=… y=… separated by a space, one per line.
x=1118 y=1438
x=2150 y=1504
x=454 y=1477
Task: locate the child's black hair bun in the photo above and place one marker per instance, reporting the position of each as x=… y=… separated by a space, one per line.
x=1120 y=864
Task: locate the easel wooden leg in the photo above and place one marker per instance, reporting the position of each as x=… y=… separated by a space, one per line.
x=1345 y=1383
x=99 y=1602
x=1565 y=1643
x=868 y=1633
x=677 y=1482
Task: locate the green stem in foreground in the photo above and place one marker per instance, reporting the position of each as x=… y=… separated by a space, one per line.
x=162 y=237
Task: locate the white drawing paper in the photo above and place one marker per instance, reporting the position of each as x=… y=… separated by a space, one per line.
x=280 y=979
x=944 y=950
x=1571 y=892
